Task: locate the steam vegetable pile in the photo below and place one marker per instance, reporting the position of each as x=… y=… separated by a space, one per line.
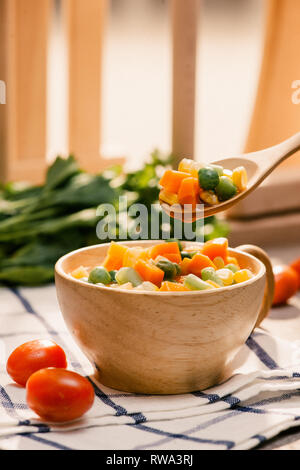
x=167 y=267
x=194 y=183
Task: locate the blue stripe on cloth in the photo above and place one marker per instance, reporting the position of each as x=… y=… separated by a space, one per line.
x=37 y=438
x=261 y=354
x=228 y=415
x=120 y=410
x=259 y=437
x=227 y=444
x=214 y=398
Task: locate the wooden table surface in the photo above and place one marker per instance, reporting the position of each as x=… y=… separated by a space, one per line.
x=284 y=322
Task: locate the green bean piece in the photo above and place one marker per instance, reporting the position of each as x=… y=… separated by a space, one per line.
x=193 y=282
x=210 y=274
x=113 y=275
x=232 y=267
x=170 y=269
x=125 y=275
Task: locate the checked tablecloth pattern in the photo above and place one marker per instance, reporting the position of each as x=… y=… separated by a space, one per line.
x=260 y=400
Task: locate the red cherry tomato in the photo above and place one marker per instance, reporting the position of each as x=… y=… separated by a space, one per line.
x=286 y=284
x=59 y=395
x=296 y=266
x=32 y=356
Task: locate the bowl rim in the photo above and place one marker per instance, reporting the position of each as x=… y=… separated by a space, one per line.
x=60 y=272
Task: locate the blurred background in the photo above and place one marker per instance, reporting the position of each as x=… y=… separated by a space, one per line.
x=137 y=78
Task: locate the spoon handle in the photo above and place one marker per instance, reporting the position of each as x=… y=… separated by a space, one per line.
x=273 y=156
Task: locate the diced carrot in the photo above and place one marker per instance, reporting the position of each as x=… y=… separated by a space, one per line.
x=232 y=260
x=199 y=262
x=132 y=255
x=164 y=248
x=171 y=180
x=216 y=247
x=168 y=286
x=184 y=266
x=187 y=193
x=149 y=272
x=114 y=257
x=174 y=257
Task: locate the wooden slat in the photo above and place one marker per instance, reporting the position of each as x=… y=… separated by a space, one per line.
x=23 y=66
x=184 y=28
x=85 y=24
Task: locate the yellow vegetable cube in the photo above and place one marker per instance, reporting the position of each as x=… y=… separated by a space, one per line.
x=169 y=198
x=226 y=276
x=209 y=197
x=79 y=273
x=242 y=275
x=239 y=177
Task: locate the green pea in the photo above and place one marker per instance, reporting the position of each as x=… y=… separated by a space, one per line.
x=210 y=274
x=226 y=189
x=113 y=275
x=170 y=269
x=195 y=283
x=232 y=267
x=99 y=275
x=125 y=275
x=208 y=178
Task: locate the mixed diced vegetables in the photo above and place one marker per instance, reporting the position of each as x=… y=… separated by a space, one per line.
x=194 y=183
x=167 y=267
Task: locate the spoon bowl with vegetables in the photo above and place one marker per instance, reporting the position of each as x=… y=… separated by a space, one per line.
x=218 y=186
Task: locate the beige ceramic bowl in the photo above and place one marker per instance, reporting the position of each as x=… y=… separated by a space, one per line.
x=162 y=342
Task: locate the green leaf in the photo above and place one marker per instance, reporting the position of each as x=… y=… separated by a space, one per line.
x=60 y=171
x=27 y=275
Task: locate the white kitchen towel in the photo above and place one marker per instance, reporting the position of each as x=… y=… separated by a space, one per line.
x=261 y=399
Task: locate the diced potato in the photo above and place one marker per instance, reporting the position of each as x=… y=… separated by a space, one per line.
x=126 y=286
x=80 y=272
x=147 y=286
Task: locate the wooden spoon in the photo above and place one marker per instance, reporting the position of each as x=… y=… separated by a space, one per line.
x=258 y=166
